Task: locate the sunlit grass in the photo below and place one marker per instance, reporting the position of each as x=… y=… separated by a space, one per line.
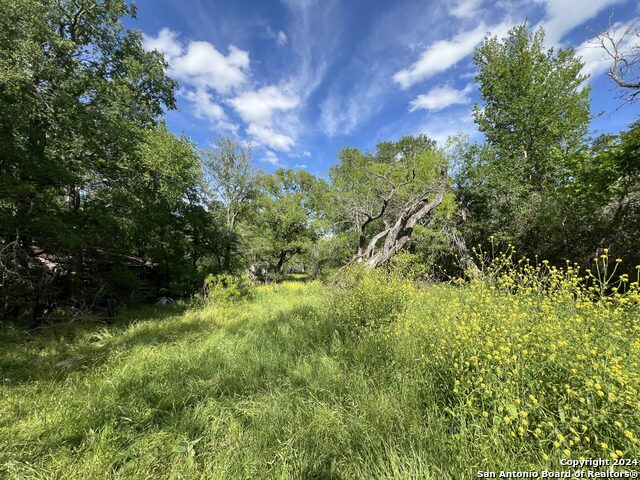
x=302 y=381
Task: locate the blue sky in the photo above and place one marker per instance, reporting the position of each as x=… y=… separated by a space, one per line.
x=301 y=79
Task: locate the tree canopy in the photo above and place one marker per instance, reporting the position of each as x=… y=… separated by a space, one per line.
x=99 y=200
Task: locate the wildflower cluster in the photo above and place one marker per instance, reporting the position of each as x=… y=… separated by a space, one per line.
x=545 y=359
x=362 y=299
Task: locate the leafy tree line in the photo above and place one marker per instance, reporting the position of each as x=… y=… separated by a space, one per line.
x=98 y=200
x=539 y=181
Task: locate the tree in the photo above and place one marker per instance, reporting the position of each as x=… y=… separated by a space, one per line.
x=535 y=108
x=285 y=219
x=604 y=197
x=229 y=165
x=381 y=197
x=77 y=93
x=534 y=115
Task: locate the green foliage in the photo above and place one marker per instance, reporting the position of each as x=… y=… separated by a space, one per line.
x=535 y=108
x=603 y=197
x=370 y=191
x=411 y=265
x=234 y=181
x=80 y=103
x=122 y=280
x=284 y=222
x=227 y=287
x=534 y=116
x=365 y=299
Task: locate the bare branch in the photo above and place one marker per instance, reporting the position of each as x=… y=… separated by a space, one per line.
x=623 y=48
x=398 y=234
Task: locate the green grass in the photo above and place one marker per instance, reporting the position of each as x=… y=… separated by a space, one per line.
x=275 y=387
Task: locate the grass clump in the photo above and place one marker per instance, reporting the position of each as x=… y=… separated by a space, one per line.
x=369 y=378
x=226 y=287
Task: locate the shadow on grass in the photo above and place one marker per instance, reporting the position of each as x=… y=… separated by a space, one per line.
x=293 y=277
x=54 y=352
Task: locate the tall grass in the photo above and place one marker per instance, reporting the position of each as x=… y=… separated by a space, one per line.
x=370 y=378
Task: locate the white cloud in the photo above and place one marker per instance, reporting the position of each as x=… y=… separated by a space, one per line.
x=562 y=16
x=166 y=42
x=465 y=9
x=443 y=54
x=261 y=109
x=439 y=98
x=272 y=158
x=258 y=106
x=306 y=153
x=281 y=38
x=205 y=107
x=270 y=138
x=203 y=65
x=268 y=112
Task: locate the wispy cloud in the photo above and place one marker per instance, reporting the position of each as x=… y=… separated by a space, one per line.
x=272 y=158
x=563 y=16
x=439 y=98
x=314 y=34
x=341 y=112
x=443 y=54
x=465 y=9
x=280 y=37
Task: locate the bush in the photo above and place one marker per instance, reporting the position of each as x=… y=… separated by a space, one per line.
x=412 y=266
x=363 y=298
x=228 y=287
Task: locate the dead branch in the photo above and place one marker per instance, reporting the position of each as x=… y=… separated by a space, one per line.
x=624 y=52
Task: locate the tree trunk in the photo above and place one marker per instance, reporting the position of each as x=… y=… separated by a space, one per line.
x=77 y=260
x=466 y=261
x=397 y=235
x=227 y=253
x=281 y=260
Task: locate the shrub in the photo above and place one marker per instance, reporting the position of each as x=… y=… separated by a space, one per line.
x=412 y=266
x=228 y=287
x=363 y=298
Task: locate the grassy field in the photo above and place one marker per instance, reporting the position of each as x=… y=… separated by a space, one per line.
x=379 y=380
